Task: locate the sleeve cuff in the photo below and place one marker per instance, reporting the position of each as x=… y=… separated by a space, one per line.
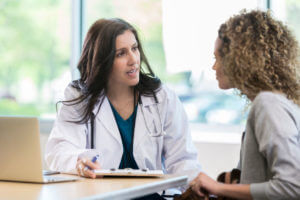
x=258 y=191
x=71 y=160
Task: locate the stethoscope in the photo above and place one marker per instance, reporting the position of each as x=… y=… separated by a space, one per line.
x=160 y=129
x=159 y=133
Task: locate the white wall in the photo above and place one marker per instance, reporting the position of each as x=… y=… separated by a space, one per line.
x=217 y=157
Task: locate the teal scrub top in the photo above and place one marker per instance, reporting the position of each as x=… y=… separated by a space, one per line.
x=126 y=129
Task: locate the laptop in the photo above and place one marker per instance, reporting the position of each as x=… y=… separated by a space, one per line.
x=20 y=153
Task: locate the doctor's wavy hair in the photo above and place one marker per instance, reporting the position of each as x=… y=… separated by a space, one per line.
x=259 y=53
x=95 y=66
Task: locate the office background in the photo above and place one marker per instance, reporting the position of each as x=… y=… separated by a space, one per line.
x=40 y=44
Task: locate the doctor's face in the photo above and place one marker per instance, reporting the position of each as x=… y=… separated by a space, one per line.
x=220 y=76
x=126 y=66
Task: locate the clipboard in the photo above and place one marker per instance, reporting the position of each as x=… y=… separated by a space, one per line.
x=129 y=172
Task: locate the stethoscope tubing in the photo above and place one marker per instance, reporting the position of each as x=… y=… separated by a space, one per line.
x=158 y=134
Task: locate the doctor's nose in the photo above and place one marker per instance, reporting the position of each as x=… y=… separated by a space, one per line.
x=133 y=58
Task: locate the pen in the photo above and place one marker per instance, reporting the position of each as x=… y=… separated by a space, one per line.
x=93 y=160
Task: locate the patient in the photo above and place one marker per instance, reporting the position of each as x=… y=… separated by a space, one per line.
x=258 y=56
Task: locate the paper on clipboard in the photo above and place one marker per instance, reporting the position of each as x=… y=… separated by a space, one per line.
x=129 y=172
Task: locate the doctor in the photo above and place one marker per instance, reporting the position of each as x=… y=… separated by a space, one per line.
x=119 y=110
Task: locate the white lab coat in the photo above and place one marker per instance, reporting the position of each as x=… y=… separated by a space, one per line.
x=172 y=152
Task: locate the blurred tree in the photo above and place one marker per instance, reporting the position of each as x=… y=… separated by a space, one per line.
x=29 y=44
x=148 y=24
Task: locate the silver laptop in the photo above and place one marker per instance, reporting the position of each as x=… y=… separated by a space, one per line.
x=20 y=153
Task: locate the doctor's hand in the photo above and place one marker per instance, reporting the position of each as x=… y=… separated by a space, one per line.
x=85 y=167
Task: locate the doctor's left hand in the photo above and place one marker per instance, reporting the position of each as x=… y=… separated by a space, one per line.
x=85 y=167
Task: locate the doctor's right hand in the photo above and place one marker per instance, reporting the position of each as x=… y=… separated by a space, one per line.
x=85 y=167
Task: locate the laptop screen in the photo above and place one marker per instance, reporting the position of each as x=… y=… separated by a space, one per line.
x=20 y=154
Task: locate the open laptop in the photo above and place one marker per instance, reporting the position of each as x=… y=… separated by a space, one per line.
x=20 y=153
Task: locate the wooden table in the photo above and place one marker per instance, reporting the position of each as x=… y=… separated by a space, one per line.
x=101 y=188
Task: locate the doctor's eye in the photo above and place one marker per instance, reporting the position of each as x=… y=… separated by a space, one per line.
x=120 y=54
x=135 y=48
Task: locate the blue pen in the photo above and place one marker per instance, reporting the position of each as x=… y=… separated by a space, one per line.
x=93 y=160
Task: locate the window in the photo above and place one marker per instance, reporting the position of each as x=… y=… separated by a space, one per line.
x=145 y=15
x=178 y=38
x=289 y=12
x=189 y=31
x=35 y=52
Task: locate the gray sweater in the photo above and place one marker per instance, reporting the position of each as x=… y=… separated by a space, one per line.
x=270 y=152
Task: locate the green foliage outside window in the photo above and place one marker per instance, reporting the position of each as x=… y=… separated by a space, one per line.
x=145 y=15
x=35 y=45
x=34 y=49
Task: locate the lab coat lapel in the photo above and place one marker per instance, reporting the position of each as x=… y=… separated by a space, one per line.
x=108 y=120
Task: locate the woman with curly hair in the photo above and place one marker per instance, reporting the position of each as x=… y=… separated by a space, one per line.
x=258 y=55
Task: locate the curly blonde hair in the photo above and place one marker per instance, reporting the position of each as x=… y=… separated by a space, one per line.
x=259 y=53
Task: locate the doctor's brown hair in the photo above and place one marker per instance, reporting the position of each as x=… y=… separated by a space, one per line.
x=95 y=66
x=259 y=53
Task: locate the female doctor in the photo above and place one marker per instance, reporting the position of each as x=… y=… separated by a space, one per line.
x=119 y=110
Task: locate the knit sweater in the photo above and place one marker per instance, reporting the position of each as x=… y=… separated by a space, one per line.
x=270 y=152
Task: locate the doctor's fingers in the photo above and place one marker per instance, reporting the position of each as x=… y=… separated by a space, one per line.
x=79 y=168
x=88 y=173
x=90 y=164
x=84 y=171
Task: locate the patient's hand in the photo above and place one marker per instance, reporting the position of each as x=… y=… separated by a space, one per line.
x=203 y=185
x=85 y=167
